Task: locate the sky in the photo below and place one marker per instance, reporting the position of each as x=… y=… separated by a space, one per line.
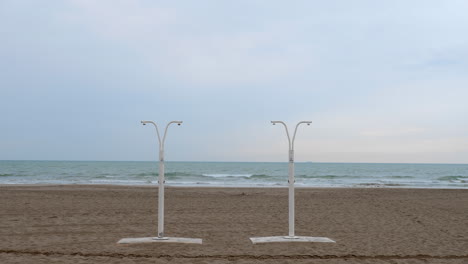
x=382 y=81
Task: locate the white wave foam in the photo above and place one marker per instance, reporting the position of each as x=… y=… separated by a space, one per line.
x=227 y=175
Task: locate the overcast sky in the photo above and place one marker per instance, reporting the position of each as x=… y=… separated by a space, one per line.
x=382 y=81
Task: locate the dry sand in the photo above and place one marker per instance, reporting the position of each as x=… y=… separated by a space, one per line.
x=81 y=224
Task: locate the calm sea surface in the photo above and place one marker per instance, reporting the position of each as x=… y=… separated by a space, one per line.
x=230 y=174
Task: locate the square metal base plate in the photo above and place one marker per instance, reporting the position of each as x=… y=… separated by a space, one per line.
x=160 y=240
x=273 y=239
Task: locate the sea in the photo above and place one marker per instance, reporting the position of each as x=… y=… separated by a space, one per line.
x=237 y=174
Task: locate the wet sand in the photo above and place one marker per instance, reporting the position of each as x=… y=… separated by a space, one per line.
x=81 y=224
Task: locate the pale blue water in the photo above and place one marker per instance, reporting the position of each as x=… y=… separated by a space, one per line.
x=242 y=174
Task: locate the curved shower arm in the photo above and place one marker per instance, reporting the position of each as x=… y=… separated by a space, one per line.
x=157 y=131
x=295 y=130
x=287 y=132
x=167 y=126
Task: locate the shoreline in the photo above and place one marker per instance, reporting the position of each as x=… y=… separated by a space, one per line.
x=234 y=187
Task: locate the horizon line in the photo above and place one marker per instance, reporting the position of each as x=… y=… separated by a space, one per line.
x=326 y=162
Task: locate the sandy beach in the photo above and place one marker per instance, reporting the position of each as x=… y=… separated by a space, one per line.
x=81 y=224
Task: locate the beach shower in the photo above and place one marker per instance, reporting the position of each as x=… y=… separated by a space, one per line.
x=161 y=182
x=291 y=237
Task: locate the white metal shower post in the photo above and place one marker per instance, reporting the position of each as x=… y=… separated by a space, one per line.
x=161 y=182
x=291 y=237
x=161 y=179
x=291 y=179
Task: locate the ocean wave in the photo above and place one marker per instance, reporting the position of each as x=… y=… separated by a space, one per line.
x=175 y=175
x=145 y=174
x=13 y=175
x=167 y=174
x=230 y=175
x=99 y=181
x=178 y=174
x=329 y=176
x=457 y=178
x=260 y=176
x=377 y=185
x=203 y=175
x=400 y=177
